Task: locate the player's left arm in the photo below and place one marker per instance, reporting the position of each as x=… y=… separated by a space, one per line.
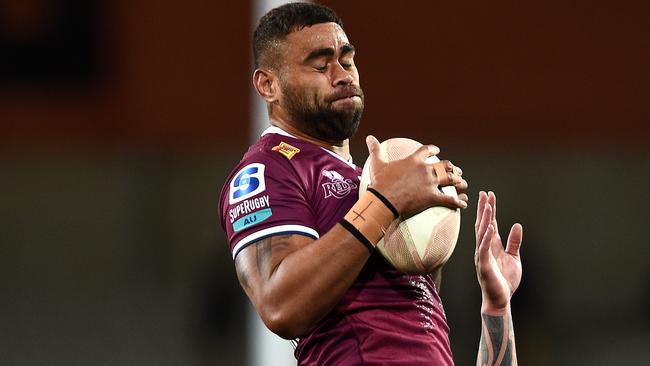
x=499 y=274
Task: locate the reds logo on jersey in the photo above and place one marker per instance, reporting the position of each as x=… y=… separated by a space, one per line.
x=338 y=186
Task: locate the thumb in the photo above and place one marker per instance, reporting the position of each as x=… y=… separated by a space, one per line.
x=514 y=240
x=374 y=153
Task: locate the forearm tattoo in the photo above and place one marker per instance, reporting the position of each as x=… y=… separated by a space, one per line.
x=497 y=346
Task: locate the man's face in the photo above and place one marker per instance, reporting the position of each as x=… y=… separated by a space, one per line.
x=319 y=83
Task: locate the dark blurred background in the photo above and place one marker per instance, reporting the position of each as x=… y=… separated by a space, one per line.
x=119 y=121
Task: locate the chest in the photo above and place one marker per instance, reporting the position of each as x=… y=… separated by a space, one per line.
x=333 y=188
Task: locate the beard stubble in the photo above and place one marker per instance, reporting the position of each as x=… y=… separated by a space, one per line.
x=319 y=119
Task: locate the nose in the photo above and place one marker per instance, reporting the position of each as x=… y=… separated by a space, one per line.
x=341 y=76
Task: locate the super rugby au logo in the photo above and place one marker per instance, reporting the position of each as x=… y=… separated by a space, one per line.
x=338 y=186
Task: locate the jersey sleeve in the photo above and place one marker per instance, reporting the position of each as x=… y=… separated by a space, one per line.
x=263 y=197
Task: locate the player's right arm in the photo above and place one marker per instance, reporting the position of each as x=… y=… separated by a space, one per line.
x=294 y=280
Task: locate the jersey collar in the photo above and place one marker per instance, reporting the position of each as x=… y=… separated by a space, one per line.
x=279 y=131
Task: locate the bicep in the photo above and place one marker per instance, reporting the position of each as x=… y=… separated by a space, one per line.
x=256 y=263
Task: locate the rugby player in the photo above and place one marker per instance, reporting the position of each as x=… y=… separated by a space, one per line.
x=303 y=240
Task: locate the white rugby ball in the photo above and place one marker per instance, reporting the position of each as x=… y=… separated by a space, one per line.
x=423 y=242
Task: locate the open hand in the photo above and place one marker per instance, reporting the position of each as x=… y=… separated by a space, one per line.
x=498 y=269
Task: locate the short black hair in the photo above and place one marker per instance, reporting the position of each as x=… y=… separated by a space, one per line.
x=275 y=25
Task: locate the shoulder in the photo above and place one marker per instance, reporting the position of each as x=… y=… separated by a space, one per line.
x=283 y=157
x=274 y=159
x=268 y=193
x=275 y=155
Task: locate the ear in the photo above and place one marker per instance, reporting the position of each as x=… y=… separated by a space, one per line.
x=265 y=82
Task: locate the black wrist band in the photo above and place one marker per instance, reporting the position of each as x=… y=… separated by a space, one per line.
x=384 y=200
x=357 y=234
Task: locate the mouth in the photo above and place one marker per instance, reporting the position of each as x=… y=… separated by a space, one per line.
x=347 y=93
x=348 y=97
x=345 y=97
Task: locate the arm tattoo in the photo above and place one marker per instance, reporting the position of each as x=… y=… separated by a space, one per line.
x=260 y=268
x=264 y=248
x=497 y=346
x=262 y=254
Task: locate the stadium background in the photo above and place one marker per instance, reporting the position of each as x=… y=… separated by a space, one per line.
x=119 y=121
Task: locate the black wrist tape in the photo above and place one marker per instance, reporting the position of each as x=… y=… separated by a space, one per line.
x=357 y=234
x=385 y=201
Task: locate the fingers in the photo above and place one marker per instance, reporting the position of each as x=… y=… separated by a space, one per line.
x=497 y=246
x=461 y=187
x=492 y=200
x=514 y=240
x=482 y=198
x=484 y=246
x=425 y=151
x=447 y=173
x=486 y=220
x=483 y=224
x=442 y=199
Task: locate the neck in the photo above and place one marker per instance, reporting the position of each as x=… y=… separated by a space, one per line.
x=340 y=148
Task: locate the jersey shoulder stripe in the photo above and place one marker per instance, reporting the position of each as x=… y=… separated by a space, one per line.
x=275 y=230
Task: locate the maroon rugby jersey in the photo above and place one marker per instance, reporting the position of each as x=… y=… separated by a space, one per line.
x=287 y=185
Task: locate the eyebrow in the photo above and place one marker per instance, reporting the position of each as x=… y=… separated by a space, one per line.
x=346 y=48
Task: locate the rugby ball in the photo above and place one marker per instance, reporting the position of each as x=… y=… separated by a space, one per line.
x=422 y=243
